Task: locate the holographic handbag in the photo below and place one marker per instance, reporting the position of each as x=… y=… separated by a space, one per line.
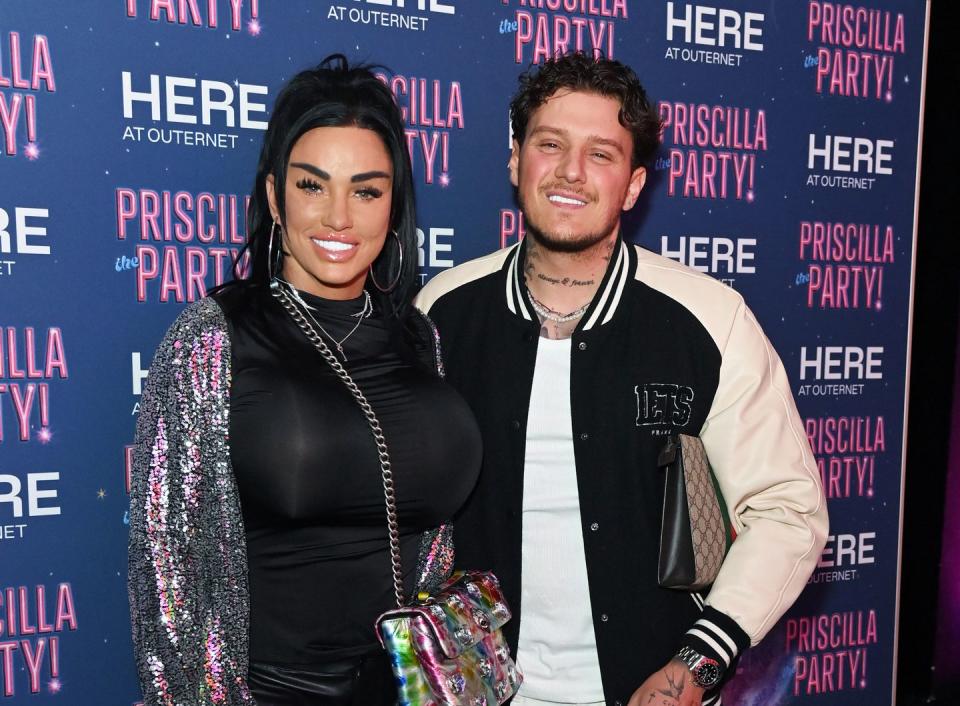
x=446 y=648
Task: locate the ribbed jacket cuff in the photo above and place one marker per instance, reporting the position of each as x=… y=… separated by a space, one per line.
x=716 y=635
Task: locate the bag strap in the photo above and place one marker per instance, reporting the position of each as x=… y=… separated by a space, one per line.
x=389 y=494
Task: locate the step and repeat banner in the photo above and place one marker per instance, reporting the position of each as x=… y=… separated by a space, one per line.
x=129 y=132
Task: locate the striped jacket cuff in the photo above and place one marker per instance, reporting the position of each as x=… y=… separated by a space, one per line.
x=717 y=636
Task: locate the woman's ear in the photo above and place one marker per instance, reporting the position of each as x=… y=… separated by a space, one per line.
x=272 y=198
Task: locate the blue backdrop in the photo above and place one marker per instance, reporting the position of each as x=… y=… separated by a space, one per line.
x=130 y=131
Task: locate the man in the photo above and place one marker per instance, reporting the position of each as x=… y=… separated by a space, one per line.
x=580 y=354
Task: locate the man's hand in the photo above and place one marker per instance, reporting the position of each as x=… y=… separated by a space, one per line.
x=671 y=686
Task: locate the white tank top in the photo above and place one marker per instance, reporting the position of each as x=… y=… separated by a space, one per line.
x=557 y=652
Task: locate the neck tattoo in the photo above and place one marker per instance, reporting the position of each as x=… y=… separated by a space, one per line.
x=566 y=281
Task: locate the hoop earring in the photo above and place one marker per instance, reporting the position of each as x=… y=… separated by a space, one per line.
x=273 y=263
x=387 y=290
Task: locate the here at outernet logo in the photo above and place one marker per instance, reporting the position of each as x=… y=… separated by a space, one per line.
x=701 y=34
x=22 y=232
x=404 y=15
x=24 y=496
x=842 y=556
x=833 y=371
x=715 y=255
x=848 y=161
x=190 y=111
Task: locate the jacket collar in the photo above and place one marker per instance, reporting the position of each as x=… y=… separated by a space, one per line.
x=605 y=301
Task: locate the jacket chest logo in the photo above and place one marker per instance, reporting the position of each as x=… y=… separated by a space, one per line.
x=663 y=405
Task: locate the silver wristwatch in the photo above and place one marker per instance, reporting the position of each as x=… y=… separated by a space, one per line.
x=706 y=672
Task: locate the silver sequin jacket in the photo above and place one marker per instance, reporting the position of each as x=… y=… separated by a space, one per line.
x=189 y=601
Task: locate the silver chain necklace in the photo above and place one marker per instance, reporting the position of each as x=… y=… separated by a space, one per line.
x=360 y=315
x=386 y=471
x=548 y=313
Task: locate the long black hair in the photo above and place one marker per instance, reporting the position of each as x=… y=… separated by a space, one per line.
x=335 y=94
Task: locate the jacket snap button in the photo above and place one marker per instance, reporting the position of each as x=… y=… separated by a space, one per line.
x=582 y=346
x=515 y=424
x=595 y=526
x=604 y=617
x=584 y=436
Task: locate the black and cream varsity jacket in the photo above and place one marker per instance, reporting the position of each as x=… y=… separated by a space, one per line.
x=661 y=349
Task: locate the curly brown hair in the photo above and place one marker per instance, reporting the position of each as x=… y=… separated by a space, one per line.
x=606 y=77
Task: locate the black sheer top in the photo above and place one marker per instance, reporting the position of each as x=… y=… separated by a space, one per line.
x=309 y=477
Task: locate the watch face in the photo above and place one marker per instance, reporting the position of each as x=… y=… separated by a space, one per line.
x=707 y=673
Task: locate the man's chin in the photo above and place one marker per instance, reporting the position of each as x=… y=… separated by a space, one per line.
x=566 y=242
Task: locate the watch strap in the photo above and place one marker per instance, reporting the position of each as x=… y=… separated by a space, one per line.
x=706 y=671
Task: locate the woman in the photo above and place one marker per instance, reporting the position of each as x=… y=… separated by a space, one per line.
x=258 y=543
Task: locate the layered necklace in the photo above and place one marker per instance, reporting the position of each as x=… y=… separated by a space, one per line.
x=555 y=316
x=364 y=313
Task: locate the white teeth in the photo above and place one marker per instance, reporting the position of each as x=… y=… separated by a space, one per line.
x=332 y=245
x=556 y=198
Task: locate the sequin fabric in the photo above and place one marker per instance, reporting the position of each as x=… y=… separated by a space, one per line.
x=435 y=339
x=187 y=570
x=435 y=562
x=435 y=559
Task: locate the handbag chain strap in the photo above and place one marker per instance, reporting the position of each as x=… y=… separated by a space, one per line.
x=389 y=494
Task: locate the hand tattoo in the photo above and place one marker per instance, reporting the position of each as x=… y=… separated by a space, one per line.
x=674 y=688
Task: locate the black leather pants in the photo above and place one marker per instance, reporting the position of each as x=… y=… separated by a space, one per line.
x=359 y=681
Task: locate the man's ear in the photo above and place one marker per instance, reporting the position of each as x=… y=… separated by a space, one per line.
x=637 y=180
x=514 y=163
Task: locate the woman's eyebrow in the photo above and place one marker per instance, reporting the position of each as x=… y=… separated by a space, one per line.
x=319 y=173
x=316 y=171
x=364 y=176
